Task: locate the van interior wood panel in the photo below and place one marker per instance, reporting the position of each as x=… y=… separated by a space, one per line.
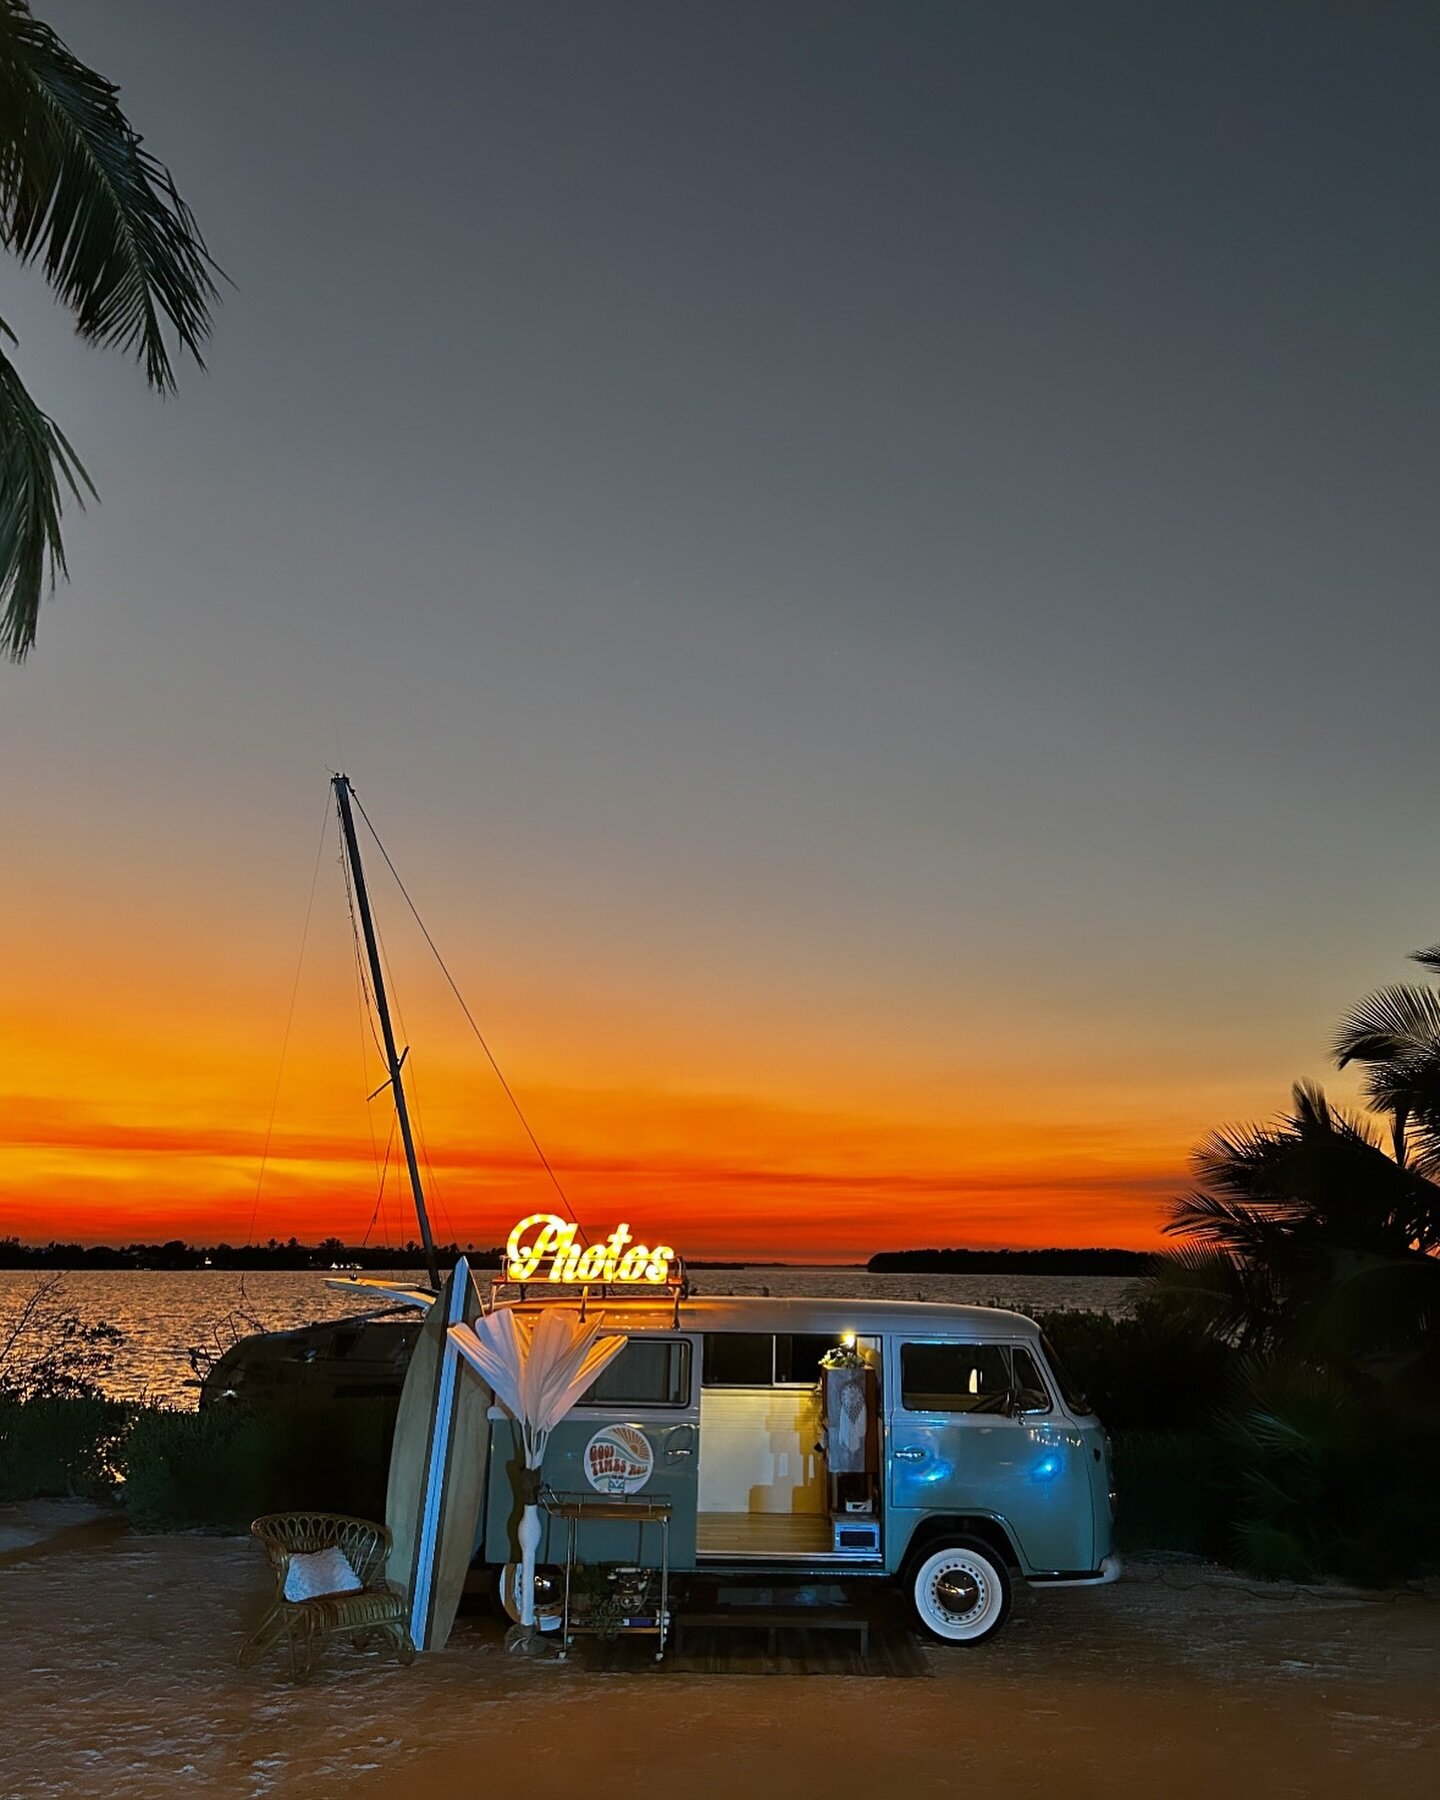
x=762 y=1534
x=757 y=1451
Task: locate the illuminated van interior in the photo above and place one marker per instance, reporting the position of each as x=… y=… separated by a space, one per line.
x=763 y=1479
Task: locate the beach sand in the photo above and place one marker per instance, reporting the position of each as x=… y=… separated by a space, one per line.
x=117 y=1668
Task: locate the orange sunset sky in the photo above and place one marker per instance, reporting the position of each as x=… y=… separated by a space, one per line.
x=736 y=1093
x=873 y=569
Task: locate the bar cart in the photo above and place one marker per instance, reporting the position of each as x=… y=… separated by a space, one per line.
x=637 y=1509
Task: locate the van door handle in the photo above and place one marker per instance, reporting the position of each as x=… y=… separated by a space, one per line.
x=910 y=1456
x=687 y=1451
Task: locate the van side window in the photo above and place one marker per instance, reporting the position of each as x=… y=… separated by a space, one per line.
x=797 y=1357
x=739 y=1359
x=647 y=1372
x=1031 y=1394
x=954 y=1378
x=758 y=1359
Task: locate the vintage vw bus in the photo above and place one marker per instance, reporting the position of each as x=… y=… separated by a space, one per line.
x=966 y=1460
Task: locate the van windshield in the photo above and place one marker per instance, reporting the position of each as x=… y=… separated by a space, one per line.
x=1074 y=1396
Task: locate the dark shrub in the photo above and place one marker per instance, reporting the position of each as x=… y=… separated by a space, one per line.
x=1168 y=1498
x=224 y=1467
x=1323 y=1476
x=64 y=1448
x=1296 y=1473
x=1153 y=1371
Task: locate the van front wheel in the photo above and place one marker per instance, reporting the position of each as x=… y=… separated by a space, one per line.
x=960 y=1592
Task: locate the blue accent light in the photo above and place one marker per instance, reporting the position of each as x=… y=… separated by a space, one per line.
x=1048 y=1466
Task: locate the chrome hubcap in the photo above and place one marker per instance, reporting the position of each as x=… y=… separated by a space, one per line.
x=959 y=1596
x=958 y=1592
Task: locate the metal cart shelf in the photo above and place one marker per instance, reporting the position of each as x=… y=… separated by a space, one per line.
x=637 y=1509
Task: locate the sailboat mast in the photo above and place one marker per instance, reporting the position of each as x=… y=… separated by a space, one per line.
x=341 y=784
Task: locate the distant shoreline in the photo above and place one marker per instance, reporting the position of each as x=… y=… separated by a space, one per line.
x=331 y=1254
x=1012 y=1262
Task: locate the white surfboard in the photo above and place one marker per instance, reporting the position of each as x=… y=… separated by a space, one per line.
x=438 y=1466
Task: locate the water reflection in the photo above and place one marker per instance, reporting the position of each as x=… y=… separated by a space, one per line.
x=161 y=1313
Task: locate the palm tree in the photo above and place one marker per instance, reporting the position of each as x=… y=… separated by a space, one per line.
x=81 y=197
x=1305 y=1236
x=1396 y=1033
x=1316 y=1255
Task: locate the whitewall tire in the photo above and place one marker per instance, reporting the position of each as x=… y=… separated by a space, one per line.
x=960 y=1592
x=549 y=1589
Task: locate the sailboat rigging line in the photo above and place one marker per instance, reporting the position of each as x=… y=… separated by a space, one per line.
x=365 y=1000
x=289 y=1021
x=364 y=1018
x=432 y=1185
x=380 y=1196
x=340 y=784
x=365 y=995
x=469 y=1016
x=363 y=988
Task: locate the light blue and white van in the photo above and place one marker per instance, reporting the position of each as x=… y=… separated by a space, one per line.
x=970 y=1461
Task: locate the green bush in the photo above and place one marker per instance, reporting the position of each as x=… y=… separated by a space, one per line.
x=1325 y=1476
x=1169 y=1499
x=223 y=1467
x=1153 y=1371
x=63 y=1448
x=1296 y=1474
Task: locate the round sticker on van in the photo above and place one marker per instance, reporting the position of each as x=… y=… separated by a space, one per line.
x=619 y=1460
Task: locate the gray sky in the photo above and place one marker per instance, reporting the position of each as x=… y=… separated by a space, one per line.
x=848 y=527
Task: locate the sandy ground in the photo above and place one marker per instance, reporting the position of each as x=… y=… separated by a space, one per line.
x=118 y=1679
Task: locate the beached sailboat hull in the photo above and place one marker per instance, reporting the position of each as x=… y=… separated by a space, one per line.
x=360 y=1358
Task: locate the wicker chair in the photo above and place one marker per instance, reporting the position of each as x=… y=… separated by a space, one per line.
x=308 y=1625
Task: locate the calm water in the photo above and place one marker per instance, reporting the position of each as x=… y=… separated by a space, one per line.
x=161 y=1314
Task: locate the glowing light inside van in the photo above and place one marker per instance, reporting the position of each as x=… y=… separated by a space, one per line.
x=544 y=1241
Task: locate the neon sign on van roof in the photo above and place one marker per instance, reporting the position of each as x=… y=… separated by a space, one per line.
x=542 y=1247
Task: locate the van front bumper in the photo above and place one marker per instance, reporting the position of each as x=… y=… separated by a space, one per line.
x=1108 y=1571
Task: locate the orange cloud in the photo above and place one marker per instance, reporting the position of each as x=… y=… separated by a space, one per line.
x=721 y=1175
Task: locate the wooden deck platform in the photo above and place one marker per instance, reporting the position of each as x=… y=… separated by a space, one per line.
x=774 y=1619
x=762 y=1534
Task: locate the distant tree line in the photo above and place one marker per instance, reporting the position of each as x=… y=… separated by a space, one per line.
x=329 y=1253
x=333 y=1252
x=1133 y=1263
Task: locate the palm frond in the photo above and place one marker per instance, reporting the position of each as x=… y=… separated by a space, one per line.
x=1295 y=1404
x=1280 y=1194
x=1428 y=959
x=1227 y=1295
x=37 y=466
x=1241 y=1162
x=1425 y=1161
x=1397 y=1088
x=1381 y=1314
x=81 y=195
x=1399 y=1023
x=1222 y=1224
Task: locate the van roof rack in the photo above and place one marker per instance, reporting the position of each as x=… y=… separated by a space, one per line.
x=675 y=1288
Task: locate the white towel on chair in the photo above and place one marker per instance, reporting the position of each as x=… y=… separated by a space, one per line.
x=317 y=1572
